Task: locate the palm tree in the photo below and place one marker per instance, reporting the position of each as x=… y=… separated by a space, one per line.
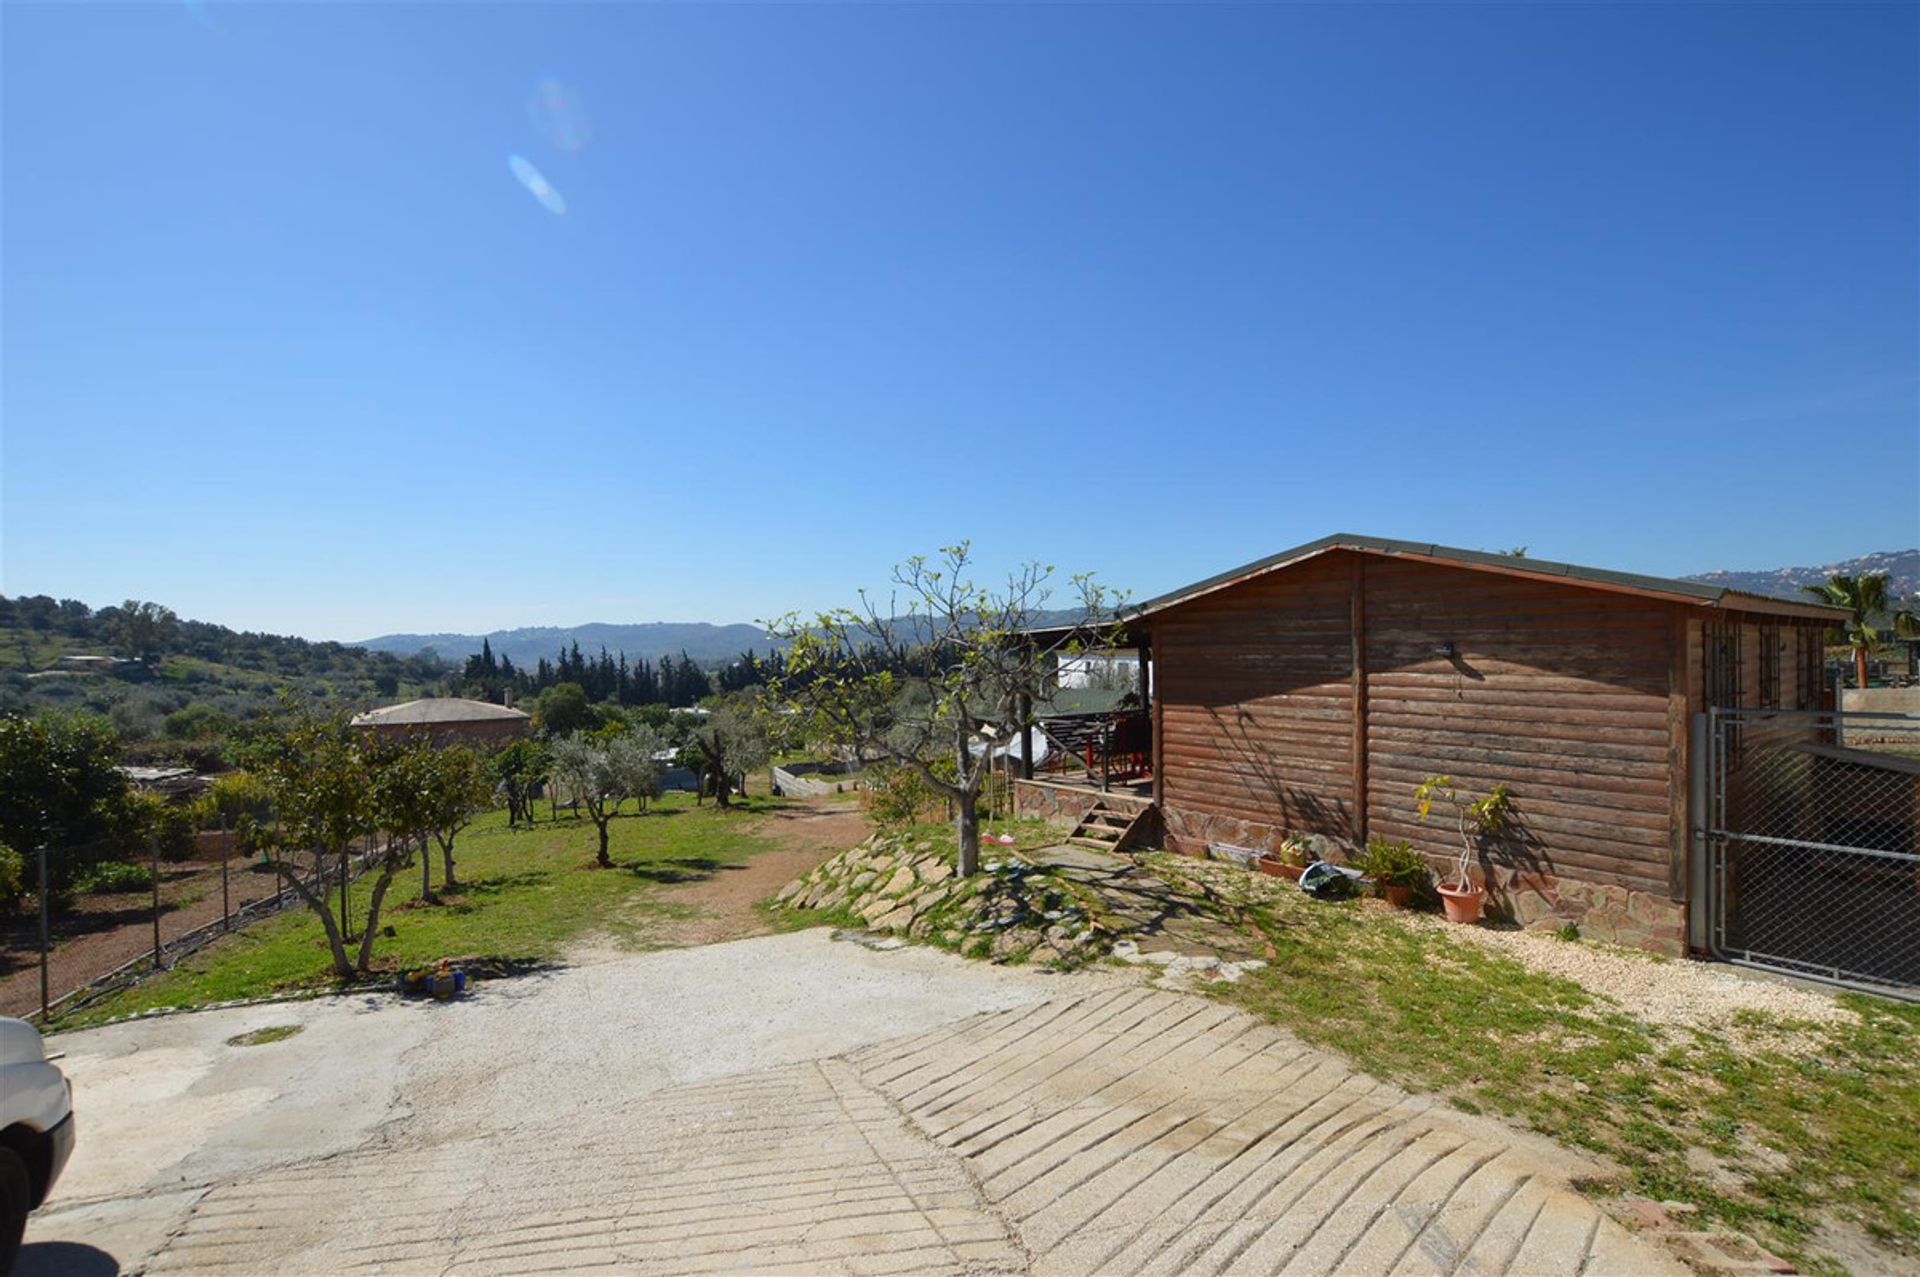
x=1865 y=596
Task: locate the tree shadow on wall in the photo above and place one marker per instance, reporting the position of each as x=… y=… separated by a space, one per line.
x=1295 y=808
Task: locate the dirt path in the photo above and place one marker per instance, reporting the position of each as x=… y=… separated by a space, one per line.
x=721 y=907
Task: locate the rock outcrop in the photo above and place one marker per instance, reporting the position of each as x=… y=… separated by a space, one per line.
x=1011 y=911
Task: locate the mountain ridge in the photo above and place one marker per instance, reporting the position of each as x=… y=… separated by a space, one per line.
x=707 y=641
x=644 y=640
x=1902 y=569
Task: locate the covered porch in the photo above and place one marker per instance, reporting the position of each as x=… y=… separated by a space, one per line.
x=1093 y=726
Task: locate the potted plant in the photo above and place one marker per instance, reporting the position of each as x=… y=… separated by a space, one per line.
x=1395 y=868
x=1477 y=817
x=1290 y=861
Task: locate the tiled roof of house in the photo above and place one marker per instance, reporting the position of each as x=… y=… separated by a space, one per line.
x=437 y=709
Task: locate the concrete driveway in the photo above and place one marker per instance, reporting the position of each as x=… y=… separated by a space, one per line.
x=786 y=1103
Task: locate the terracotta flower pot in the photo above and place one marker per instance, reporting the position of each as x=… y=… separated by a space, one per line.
x=1398 y=897
x=1278 y=868
x=1462 y=906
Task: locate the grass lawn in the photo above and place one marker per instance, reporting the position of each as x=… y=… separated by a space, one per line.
x=524 y=895
x=1805 y=1136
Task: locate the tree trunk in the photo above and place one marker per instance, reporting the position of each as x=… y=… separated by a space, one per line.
x=367 y=934
x=426 y=870
x=966 y=823
x=1860 y=665
x=317 y=901
x=605 y=861
x=447 y=879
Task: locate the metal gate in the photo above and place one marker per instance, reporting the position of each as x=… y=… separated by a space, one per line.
x=1811 y=838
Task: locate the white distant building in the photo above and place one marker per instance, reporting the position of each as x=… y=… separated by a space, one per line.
x=1102 y=669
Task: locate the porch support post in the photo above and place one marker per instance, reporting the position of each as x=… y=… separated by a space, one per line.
x=1026 y=736
x=1357 y=585
x=1153 y=725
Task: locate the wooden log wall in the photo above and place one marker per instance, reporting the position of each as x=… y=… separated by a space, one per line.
x=1254 y=699
x=1565 y=693
x=1315 y=699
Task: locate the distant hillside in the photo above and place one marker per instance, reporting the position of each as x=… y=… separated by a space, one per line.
x=1901 y=566
x=205 y=678
x=702 y=641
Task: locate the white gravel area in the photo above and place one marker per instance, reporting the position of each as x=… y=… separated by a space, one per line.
x=1676 y=992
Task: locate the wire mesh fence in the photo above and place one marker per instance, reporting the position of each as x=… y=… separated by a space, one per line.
x=103 y=915
x=1813 y=860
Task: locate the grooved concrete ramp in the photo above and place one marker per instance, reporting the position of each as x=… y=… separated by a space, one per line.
x=797 y=1169
x=1134 y=1131
x=790 y=1105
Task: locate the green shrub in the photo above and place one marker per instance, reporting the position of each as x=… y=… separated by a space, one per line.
x=111 y=876
x=1394 y=864
x=899 y=796
x=13 y=878
x=172 y=823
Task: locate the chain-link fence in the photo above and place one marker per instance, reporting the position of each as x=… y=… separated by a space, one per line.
x=1813 y=844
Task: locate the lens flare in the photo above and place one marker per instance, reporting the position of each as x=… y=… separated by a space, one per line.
x=539 y=187
x=559 y=115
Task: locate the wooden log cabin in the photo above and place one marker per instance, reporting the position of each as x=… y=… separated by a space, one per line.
x=1310 y=692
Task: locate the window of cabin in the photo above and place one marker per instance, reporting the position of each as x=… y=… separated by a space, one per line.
x=1770 y=665
x=1720 y=664
x=1811 y=649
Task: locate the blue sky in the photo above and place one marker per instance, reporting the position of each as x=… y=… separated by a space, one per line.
x=1146 y=290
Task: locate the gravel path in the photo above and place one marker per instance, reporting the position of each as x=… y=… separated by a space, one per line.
x=1673 y=992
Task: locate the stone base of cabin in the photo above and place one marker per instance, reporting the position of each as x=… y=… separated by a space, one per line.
x=1189 y=832
x=1602 y=911
x=1062 y=805
x=1533 y=900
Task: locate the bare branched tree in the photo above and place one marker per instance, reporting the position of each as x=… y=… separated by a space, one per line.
x=942 y=674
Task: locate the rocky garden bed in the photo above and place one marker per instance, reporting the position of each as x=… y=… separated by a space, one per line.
x=1014 y=910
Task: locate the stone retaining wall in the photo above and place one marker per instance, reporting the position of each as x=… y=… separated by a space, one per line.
x=1063 y=805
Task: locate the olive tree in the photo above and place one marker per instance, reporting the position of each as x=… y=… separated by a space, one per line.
x=519 y=769
x=728 y=744
x=940 y=674
x=600 y=773
x=644 y=744
x=462 y=786
x=320 y=786
x=404 y=779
